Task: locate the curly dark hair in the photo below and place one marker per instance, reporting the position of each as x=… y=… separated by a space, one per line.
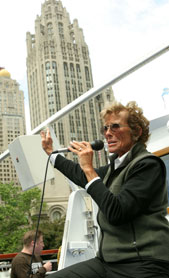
x=136 y=119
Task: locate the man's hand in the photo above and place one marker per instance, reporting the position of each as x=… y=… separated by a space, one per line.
x=48 y=266
x=47 y=142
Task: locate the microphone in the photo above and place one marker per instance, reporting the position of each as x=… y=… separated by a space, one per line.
x=96 y=145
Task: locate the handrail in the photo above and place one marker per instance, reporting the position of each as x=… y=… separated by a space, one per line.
x=12 y=255
x=90 y=94
x=162 y=152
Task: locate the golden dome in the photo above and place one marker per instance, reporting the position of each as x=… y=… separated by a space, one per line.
x=4 y=73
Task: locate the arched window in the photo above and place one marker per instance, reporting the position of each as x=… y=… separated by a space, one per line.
x=56 y=212
x=56 y=215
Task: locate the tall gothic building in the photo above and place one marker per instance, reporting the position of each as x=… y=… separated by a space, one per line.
x=58 y=72
x=12 y=122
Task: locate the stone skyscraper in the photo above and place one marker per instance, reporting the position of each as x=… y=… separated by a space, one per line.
x=58 y=72
x=12 y=122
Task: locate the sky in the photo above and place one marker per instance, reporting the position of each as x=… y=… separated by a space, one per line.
x=119 y=34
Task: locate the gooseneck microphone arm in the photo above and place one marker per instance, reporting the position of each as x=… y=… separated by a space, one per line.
x=96 y=145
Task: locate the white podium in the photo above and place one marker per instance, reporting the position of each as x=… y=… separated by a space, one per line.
x=80 y=238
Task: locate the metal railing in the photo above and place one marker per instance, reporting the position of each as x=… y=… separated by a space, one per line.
x=5 y=263
x=5 y=268
x=90 y=94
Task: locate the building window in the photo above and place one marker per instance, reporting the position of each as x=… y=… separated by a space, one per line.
x=87 y=74
x=50 y=28
x=60 y=26
x=72 y=70
x=56 y=215
x=84 y=53
x=78 y=71
x=66 y=70
x=47 y=65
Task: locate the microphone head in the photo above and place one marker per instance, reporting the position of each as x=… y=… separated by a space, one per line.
x=97 y=145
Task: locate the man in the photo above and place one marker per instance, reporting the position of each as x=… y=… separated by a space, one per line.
x=131 y=195
x=21 y=264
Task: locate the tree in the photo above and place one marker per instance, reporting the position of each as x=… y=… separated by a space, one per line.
x=15 y=215
x=52 y=233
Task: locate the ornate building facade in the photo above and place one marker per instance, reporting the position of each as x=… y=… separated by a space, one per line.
x=59 y=71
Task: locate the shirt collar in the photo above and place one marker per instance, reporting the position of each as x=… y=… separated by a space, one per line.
x=118 y=161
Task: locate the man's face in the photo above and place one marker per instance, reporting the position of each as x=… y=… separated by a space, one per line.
x=39 y=245
x=119 y=138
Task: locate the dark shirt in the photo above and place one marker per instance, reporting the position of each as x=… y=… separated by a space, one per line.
x=21 y=266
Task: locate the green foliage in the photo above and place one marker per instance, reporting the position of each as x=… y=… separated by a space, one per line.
x=52 y=233
x=15 y=215
x=16 y=208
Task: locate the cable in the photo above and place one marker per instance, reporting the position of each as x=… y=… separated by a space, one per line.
x=39 y=215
